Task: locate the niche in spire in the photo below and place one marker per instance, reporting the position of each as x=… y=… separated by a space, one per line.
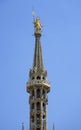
x=38 y=77
x=38 y=93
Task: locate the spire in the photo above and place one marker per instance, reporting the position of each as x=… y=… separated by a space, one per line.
x=37 y=75
x=53 y=127
x=38 y=87
x=22 y=126
x=38 y=61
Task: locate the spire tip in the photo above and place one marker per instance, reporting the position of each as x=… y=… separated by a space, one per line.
x=38 y=26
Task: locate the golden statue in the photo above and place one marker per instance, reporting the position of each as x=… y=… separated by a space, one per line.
x=37 y=26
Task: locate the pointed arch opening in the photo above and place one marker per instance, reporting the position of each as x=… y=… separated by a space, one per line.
x=38 y=93
x=32 y=107
x=32 y=119
x=38 y=116
x=38 y=105
x=43 y=93
x=38 y=77
x=33 y=94
x=38 y=129
x=44 y=107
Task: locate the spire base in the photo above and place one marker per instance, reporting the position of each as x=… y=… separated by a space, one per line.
x=37 y=34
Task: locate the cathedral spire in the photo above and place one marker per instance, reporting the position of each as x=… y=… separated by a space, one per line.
x=38 y=61
x=22 y=126
x=53 y=127
x=38 y=87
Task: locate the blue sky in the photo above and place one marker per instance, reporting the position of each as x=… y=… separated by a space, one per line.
x=61 y=45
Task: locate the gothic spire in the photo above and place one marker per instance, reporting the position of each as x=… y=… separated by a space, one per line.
x=38 y=87
x=38 y=61
x=53 y=127
x=22 y=126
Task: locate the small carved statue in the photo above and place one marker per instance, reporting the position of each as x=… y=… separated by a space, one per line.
x=37 y=25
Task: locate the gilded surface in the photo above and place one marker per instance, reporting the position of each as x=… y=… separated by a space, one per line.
x=37 y=26
x=38 y=87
